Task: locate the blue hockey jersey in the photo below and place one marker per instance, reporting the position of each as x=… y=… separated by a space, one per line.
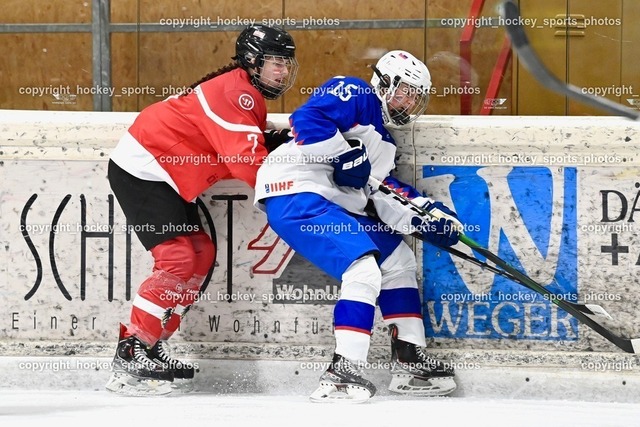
x=343 y=109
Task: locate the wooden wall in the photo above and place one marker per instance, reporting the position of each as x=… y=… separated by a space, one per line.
x=147 y=66
x=593 y=49
x=44 y=61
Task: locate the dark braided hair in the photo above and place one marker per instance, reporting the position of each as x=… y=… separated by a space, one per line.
x=222 y=70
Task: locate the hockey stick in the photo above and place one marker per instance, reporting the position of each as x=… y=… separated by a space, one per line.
x=531 y=61
x=475 y=261
x=579 y=311
x=591 y=309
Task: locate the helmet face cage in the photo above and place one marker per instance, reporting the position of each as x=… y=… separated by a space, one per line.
x=402 y=84
x=405 y=102
x=260 y=48
x=276 y=74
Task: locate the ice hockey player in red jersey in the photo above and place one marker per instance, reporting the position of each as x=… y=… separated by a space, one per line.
x=174 y=151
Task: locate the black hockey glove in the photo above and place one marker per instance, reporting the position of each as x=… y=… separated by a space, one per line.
x=274 y=138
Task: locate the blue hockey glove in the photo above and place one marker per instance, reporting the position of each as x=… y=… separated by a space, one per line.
x=440 y=210
x=352 y=168
x=441 y=232
x=430 y=206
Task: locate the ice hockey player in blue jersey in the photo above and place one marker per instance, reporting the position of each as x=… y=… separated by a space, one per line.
x=319 y=181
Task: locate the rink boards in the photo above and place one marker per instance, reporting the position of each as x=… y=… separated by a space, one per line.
x=556 y=197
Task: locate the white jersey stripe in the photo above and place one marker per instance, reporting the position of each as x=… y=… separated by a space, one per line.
x=293 y=168
x=234 y=127
x=149 y=307
x=131 y=156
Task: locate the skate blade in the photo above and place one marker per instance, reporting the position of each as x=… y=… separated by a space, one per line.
x=340 y=393
x=183 y=386
x=127 y=385
x=410 y=385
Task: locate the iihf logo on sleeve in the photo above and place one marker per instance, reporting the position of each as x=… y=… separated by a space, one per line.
x=525 y=215
x=278 y=186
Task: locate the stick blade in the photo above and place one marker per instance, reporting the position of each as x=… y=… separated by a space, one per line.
x=596 y=310
x=635 y=345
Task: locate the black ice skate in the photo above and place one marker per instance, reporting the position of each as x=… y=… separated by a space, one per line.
x=134 y=373
x=415 y=373
x=183 y=372
x=160 y=354
x=343 y=382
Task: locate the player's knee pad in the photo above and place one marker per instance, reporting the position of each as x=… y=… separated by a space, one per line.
x=205 y=252
x=362 y=281
x=176 y=256
x=400 y=268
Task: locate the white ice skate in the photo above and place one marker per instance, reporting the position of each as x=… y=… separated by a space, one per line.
x=344 y=383
x=129 y=385
x=415 y=385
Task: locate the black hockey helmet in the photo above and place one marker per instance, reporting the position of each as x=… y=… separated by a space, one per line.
x=259 y=41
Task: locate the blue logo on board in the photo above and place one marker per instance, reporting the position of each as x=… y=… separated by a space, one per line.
x=525 y=215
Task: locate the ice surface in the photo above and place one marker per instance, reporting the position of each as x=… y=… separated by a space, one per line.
x=32 y=408
x=275 y=393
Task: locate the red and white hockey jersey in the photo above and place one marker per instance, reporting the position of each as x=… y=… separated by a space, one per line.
x=193 y=141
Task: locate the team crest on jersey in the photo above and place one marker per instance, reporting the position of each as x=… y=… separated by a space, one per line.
x=246 y=101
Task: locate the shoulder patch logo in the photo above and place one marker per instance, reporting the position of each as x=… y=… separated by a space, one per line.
x=246 y=101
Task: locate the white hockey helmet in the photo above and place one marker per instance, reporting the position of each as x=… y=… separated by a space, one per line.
x=402 y=83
